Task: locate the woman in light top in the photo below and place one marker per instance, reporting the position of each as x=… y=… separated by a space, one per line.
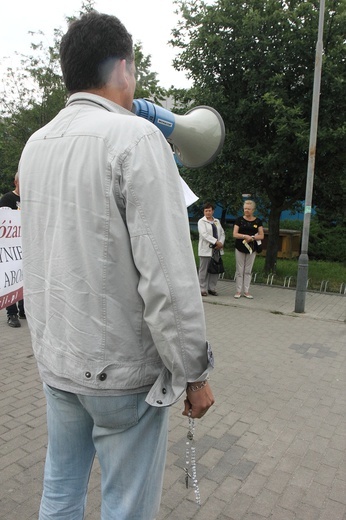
x=211 y=236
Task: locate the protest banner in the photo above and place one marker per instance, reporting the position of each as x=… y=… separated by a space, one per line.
x=11 y=273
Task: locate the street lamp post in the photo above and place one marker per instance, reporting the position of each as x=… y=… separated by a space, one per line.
x=303 y=263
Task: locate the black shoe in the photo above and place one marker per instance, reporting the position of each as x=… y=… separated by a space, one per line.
x=213 y=293
x=13 y=321
x=22 y=316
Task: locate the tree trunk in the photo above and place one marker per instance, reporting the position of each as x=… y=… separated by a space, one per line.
x=223 y=218
x=273 y=239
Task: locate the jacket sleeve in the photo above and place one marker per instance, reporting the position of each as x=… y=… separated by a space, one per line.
x=157 y=222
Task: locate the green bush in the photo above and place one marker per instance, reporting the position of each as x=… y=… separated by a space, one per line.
x=325 y=242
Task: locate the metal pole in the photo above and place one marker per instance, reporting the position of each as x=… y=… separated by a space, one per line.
x=303 y=262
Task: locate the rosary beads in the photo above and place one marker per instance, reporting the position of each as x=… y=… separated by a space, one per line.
x=190 y=460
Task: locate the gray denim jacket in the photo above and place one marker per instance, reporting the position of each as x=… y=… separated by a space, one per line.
x=111 y=289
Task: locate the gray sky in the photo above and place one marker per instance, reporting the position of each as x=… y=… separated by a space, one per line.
x=149 y=21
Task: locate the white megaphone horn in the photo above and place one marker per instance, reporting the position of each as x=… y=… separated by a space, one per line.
x=197 y=137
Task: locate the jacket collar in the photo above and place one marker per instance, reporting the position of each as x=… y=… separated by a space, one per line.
x=85 y=98
x=209 y=221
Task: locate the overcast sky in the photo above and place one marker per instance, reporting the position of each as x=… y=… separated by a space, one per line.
x=149 y=21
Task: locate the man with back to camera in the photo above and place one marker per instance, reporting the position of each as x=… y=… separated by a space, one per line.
x=112 y=294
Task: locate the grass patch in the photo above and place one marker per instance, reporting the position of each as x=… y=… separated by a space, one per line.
x=320 y=273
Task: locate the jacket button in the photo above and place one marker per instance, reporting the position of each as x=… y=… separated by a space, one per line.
x=103 y=376
x=159 y=402
x=87 y=375
x=164 y=391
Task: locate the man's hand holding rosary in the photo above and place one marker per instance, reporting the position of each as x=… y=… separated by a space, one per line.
x=199 y=398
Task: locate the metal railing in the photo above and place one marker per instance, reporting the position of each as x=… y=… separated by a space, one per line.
x=289 y=280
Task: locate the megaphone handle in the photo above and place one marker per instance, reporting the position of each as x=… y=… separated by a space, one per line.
x=160 y=117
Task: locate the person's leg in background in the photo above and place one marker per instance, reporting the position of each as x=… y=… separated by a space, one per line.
x=12 y=316
x=239 y=274
x=249 y=261
x=203 y=274
x=212 y=281
x=21 y=310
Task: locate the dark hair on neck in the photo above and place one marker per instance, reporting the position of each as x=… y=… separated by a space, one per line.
x=90 y=48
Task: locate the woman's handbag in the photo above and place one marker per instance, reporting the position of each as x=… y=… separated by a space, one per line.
x=216 y=264
x=258 y=246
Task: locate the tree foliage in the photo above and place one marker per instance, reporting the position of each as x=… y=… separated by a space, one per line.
x=34 y=92
x=254 y=62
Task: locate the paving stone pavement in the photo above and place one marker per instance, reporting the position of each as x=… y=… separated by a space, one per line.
x=272 y=447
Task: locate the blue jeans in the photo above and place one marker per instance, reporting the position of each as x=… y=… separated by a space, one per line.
x=130 y=440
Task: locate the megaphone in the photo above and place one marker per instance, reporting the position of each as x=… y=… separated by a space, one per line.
x=196 y=137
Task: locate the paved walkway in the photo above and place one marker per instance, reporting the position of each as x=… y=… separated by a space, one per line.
x=325 y=306
x=272 y=447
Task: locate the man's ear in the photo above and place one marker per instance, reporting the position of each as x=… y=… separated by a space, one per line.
x=119 y=75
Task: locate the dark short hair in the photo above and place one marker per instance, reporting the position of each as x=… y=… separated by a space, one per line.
x=208 y=205
x=90 y=48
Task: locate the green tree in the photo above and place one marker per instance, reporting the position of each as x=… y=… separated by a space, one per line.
x=34 y=92
x=32 y=95
x=254 y=62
